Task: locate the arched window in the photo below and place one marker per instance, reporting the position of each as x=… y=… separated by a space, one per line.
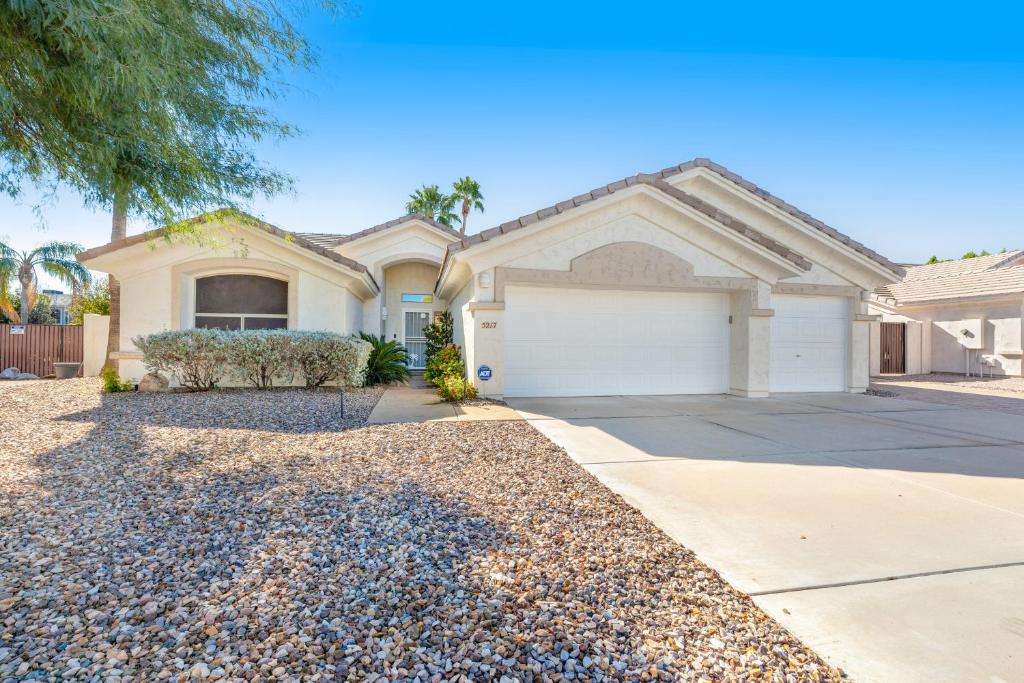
x=241 y=302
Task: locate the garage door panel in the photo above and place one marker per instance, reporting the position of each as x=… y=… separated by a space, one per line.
x=809 y=343
x=565 y=342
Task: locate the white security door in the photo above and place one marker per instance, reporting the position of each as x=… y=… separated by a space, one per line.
x=809 y=340
x=414 y=339
x=573 y=342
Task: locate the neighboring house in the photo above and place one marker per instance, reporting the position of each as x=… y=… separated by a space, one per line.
x=60 y=305
x=689 y=280
x=954 y=316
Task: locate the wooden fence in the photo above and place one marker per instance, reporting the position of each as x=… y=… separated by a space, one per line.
x=39 y=347
x=894 y=348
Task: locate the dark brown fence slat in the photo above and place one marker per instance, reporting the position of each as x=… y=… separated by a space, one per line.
x=40 y=347
x=893 y=348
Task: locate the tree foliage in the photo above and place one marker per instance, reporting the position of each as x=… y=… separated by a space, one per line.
x=93 y=299
x=439 y=334
x=56 y=259
x=429 y=201
x=467 y=191
x=145 y=103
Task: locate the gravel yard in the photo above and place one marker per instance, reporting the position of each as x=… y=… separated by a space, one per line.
x=259 y=536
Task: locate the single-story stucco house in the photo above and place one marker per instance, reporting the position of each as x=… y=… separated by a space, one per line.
x=688 y=280
x=952 y=316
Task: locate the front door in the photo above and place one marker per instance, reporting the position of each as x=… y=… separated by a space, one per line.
x=413 y=337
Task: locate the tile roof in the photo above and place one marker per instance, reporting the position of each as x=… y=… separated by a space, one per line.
x=962 y=266
x=653 y=180
x=329 y=241
x=657 y=180
x=246 y=219
x=959 y=286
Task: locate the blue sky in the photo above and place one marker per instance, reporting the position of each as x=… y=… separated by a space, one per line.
x=900 y=126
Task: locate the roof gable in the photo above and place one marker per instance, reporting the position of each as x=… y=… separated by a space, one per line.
x=243 y=219
x=332 y=241
x=657 y=181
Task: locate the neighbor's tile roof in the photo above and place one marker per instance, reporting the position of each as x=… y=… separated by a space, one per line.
x=329 y=241
x=983 y=276
x=962 y=267
x=657 y=180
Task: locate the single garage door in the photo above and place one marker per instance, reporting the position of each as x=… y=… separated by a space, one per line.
x=809 y=337
x=571 y=342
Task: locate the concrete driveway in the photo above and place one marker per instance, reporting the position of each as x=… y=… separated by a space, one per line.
x=888 y=534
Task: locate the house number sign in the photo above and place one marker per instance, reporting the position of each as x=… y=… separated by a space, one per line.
x=488 y=324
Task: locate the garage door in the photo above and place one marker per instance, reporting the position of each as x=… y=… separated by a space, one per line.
x=809 y=337
x=569 y=342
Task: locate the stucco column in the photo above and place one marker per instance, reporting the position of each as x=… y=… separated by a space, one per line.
x=860 y=345
x=750 y=341
x=485 y=347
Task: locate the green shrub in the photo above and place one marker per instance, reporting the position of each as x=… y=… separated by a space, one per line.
x=439 y=334
x=387 y=362
x=112 y=383
x=197 y=358
x=260 y=356
x=455 y=388
x=325 y=357
x=446 y=361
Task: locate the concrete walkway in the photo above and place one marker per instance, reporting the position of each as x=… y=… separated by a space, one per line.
x=952 y=390
x=418 y=402
x=888 y=534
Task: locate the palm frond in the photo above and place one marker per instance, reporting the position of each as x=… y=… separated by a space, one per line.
x=55 y=251
x=70 y=272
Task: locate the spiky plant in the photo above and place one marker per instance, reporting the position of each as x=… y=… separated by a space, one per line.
x=388 y=360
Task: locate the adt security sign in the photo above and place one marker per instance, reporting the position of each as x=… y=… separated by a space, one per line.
x=483 y=372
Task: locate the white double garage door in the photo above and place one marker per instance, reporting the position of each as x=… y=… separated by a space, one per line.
x=574 y=342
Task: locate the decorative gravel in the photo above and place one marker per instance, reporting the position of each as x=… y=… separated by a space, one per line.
x=251 y=536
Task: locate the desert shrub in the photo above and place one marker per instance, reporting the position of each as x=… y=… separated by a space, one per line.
x=326 y=357
x=112 y=383
x=447 y=372
x=196 y=358
x=455 y=388
x=260 y=356
x=446 y=361
x=439 y=334
x=387 y=362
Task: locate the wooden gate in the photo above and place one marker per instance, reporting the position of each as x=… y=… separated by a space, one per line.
x=37 y=347
x=894 y=348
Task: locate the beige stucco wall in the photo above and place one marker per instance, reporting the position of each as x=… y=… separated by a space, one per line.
x=933 y=344
x=157 y=289
x=94 y=333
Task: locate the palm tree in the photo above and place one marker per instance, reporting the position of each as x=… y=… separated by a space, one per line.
x=468 y=190
x=56 y=259
x=429 y=201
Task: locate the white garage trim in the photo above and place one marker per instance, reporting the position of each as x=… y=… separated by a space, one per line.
x=585 y=342
x=810 y=336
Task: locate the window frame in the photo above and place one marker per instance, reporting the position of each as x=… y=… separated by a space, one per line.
x=286 y=316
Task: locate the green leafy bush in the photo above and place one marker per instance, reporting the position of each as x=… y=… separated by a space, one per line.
x=455 y=388
x=388 y=361
x=112 y=383
x=260 y=356
x=444 y=362
x=439 y=334
x=326 y=357
x=447 y=371
x=197 y=358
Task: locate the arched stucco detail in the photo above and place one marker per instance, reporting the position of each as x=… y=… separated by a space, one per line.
x=621 y=265
x=184 y=276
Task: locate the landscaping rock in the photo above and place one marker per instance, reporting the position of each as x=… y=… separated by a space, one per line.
x=261 y=535
x=154 y=382
x=10 y=373
x=26 y=375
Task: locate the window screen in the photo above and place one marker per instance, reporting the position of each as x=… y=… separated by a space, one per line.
x=241 y=302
